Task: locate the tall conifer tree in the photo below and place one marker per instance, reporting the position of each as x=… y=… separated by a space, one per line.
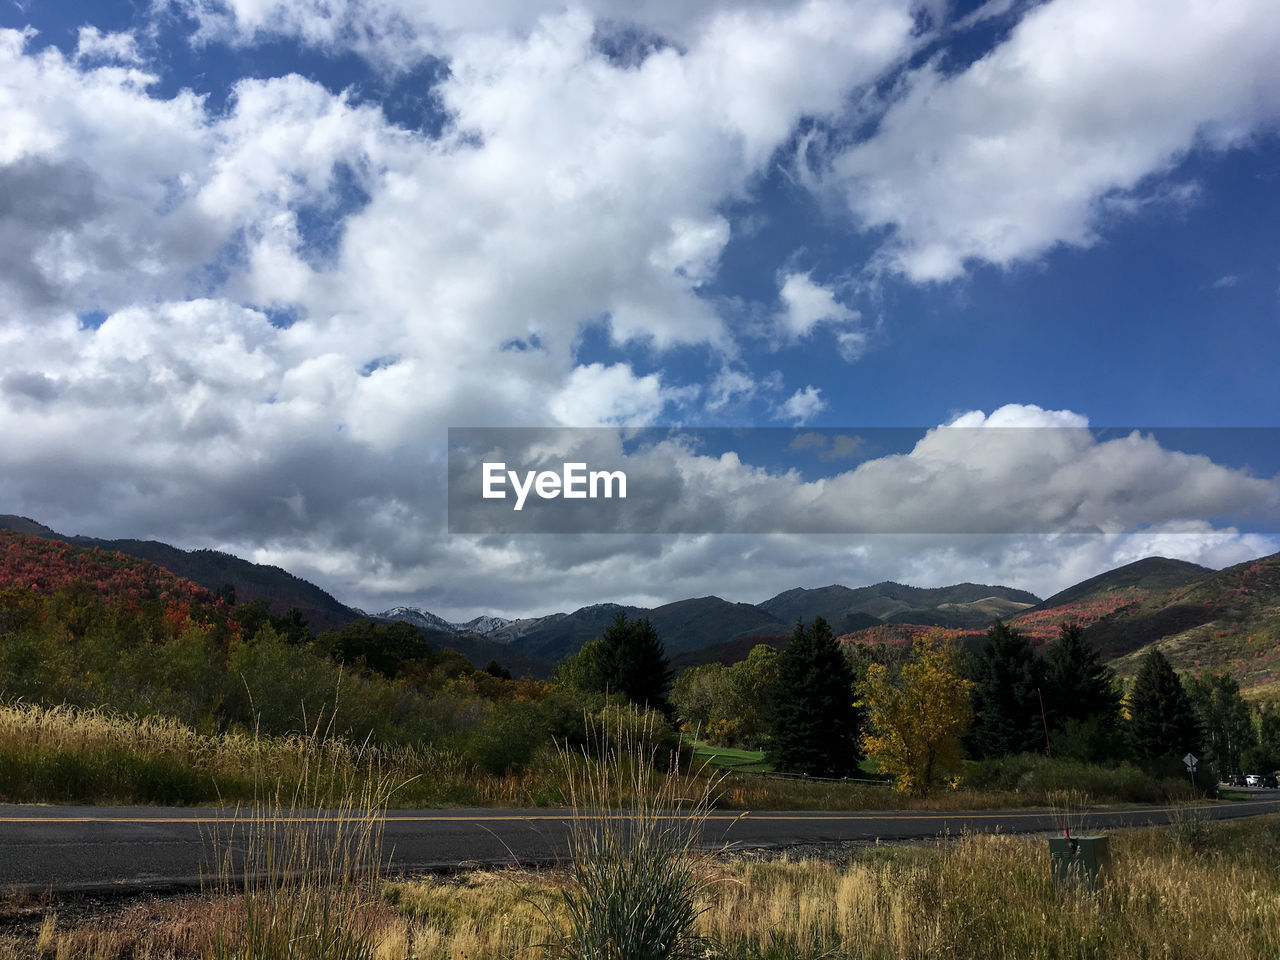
x=1079 y=686
x=1162 y=722
x=815 y=725
x=631 y=660
x=1006 y=674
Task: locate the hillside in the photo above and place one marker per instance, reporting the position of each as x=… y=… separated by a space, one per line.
x=560 y=634
x=729 y=652
x=684 y=625
x=212 y=569
x=1151 y=574
x=1203 y=619
x=45 y=566
x=693 y=624
x=1224 y=620
x=847 y=609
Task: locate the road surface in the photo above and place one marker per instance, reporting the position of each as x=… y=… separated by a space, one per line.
x=130 y=849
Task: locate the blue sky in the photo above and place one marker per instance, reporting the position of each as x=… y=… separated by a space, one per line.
x=263 y=254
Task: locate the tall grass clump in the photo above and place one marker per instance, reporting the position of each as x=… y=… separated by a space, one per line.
x=301 y=881
x=636 y=871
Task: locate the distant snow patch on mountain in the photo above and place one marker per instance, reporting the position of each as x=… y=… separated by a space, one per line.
x=419 y=618
x=482 y=625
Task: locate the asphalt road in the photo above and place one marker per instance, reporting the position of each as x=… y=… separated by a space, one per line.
x=128 y=849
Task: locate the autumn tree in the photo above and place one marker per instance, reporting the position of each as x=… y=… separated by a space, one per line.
x=811 y=710
x=916 y=721
x=1225 y=718
x=581 y=671
x=1265 y=754
x=727 y=704
x=700 y=694
x=750 y=681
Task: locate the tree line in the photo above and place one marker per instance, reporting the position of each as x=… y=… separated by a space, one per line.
x=819 y=708
x=96 y=629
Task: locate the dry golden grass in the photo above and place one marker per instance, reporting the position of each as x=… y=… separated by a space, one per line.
x=747 y=792
x=182 y=766
x=990 y=897
x=1207 y=894
x=231 y=767
x=86 y=731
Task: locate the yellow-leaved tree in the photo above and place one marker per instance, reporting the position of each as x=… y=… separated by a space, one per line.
x=915 y=721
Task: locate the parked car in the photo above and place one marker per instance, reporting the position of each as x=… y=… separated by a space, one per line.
x=1253 y=780
x=1236 y=780
x=1269 y=781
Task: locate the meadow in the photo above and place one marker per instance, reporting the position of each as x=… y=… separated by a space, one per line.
x=1197 y=890
x=82 y=755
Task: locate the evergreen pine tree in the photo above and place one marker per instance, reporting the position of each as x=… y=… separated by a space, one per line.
x=1078 y=686
x=815 y=724
x=1006 y=674
x=632 y=661
x=1162 y=721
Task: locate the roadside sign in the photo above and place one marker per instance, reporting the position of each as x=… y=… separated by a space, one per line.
x=1191 y=760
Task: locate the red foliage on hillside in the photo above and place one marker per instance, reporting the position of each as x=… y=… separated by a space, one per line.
x=1041 y=626
x=903 y=634
x=46 y=566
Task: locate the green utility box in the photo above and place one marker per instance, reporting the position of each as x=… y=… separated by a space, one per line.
x=1075 y=861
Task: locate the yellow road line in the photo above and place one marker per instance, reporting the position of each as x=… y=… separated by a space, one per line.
x=232 y=818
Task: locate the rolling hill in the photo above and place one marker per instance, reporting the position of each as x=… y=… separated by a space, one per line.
x=1203 y=619
x=846 y=609
x=212 y=569
x=1228 y=619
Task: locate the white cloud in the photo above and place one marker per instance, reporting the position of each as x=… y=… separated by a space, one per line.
x=567 y=188
x=396 y=33
x=1084 y=102
x=730 y=386
x=1005 y=499
x=805 y=304
x=599 y=395
x=93 y=44
x=802 y=406
x=1020 y=473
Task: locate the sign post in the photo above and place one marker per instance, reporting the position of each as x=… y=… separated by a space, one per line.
x=1191 y=760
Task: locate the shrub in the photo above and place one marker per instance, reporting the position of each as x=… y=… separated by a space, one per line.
x=635 y=875
x=1038 y=777
x=301 y=886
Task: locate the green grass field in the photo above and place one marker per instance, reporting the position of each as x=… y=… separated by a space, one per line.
x=748 y=761
x=729 y=758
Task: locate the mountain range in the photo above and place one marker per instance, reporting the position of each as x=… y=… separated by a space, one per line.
x=1201 y=618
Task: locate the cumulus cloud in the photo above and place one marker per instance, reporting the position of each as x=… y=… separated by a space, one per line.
x=182 y=357
x=805 y=304
x=1020 y=496
x=730 y=386
x=596 y=395
x=93 y=44
x=1084 y=103
x=237 y=369
x=1019 y=470
x=803 y=405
